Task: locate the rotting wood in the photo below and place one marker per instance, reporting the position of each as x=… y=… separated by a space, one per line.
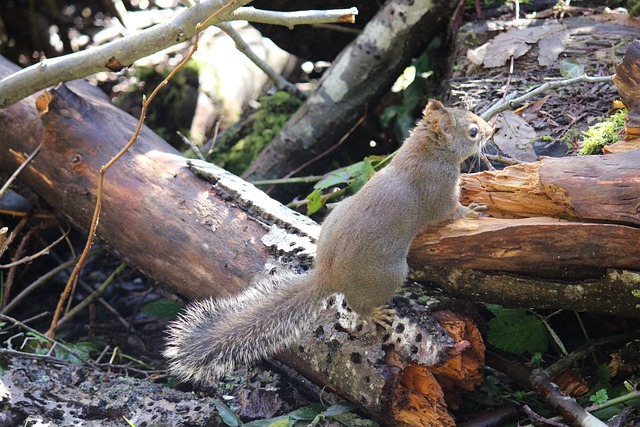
x=587 y=188
x=201 y=239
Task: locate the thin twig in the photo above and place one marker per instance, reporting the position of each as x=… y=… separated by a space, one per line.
x=42 y=357
x=44 y=251
x=40 y=281
x=294 y=180
x=330 y=149
x=291 y=19
x=508 y=103
x=50 y=340
x=94 y=295
x=38 y=215
x=215 y=138
x=17 y=172
x=100 y=191
x=14 y=233
x=127 y=50
x=194 y=148
x=280 y=82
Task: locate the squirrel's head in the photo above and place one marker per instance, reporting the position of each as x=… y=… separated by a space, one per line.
x=460 y=131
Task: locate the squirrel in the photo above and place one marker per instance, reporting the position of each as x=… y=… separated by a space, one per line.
x=361 y=253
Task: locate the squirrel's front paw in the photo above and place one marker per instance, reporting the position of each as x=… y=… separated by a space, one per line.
x=476 y=210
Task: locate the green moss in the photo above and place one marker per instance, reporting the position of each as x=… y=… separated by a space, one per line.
x=543 y=138
x=273 y=113
x=601 y=134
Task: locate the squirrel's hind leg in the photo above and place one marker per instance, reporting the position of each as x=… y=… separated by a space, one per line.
x=382 y=316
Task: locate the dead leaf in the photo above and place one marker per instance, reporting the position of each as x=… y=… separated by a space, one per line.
x=518 y=41
x=476 y=56
x=572 y=383
x=514 y=136
x=530 y=110
x=552 y=45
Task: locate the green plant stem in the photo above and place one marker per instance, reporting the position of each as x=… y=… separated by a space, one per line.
x=326 y=198
x=611 y=402
x=294 y=180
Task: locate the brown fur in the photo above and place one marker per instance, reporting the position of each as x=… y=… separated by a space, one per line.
x=362 y=251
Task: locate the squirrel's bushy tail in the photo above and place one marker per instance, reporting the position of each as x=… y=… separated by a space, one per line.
x=212 y=336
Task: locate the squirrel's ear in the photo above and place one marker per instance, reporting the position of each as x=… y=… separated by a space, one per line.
x=432 y=106
x=446 y=123
x=444 y=118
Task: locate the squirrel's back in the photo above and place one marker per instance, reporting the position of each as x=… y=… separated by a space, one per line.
x=361 y=254
x=212 y=336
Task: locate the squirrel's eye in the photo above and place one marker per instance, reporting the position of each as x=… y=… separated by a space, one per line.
x=473 y=131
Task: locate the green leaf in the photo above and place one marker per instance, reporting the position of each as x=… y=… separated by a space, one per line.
x=599 y=396
x=307 y=413
x=490 y=386
x=517 y=332
x=340 y=176
x=163 y=307
x=360 y=179
x=315 y=202
x=498 y=310
x=603 y=375
x=228 y=416
x=537 y=360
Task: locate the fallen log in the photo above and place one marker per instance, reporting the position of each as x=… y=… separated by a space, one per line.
x=219 y=230
x=565 y=234
x=210 y=240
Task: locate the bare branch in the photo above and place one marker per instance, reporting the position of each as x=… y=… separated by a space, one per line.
x=124 y=52
x=280 y=82
x=510 y=102
x=17 y=172
x=118 y=53
x=291 y=19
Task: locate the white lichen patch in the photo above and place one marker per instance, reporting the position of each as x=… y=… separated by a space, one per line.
x=282 y=241
x=253 y=200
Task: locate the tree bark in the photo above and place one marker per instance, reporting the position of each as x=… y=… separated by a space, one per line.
x=357 y=79
x=211 y=240
x=155 y=215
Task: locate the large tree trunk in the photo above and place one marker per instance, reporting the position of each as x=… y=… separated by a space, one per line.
x=357 y=79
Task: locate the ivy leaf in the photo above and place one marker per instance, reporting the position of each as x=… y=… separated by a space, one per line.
x=517 y=332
